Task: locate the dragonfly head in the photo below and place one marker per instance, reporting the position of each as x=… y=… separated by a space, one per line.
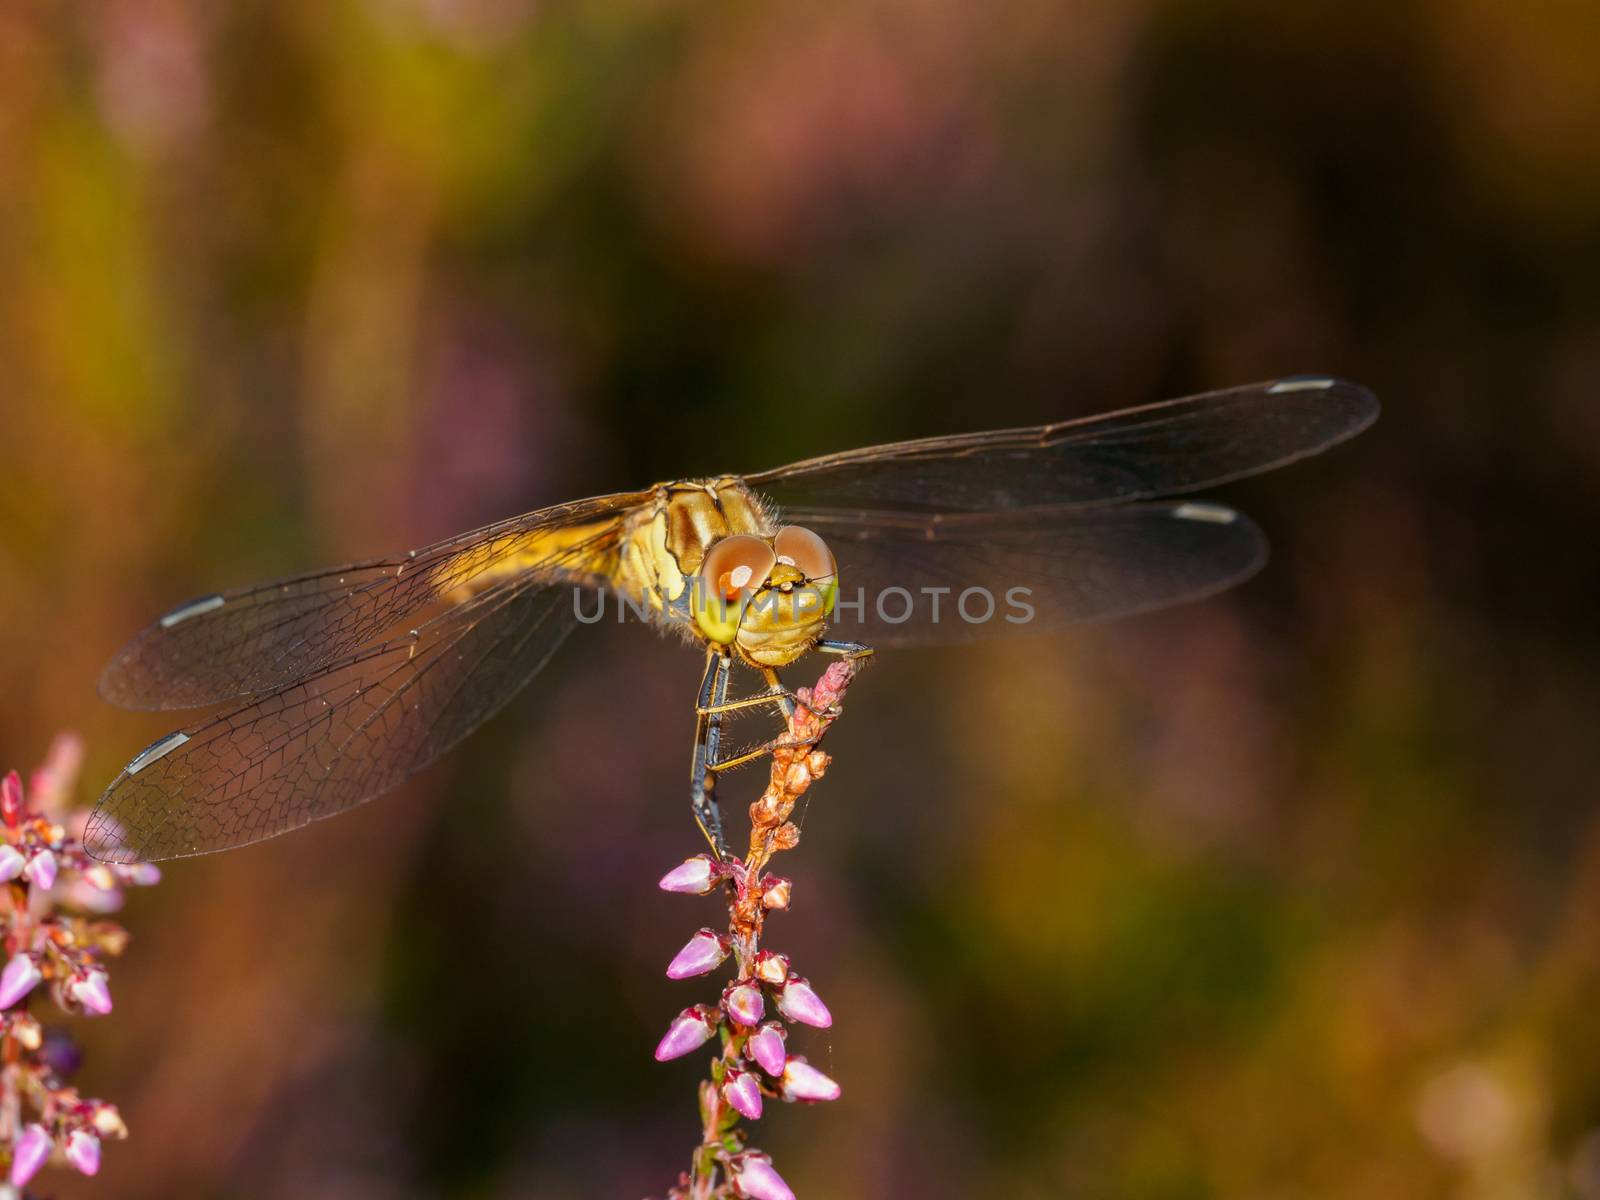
x=770 y=598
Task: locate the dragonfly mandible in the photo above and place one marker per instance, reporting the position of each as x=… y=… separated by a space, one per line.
x=338 y=684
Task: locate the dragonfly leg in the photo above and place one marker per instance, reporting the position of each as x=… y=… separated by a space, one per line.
x=778 y=698
x=777 y=694
x=710 y=708
x=843 y=649
x=786 y=701
x=750 y=755
x=707 y=743
x=776 y=691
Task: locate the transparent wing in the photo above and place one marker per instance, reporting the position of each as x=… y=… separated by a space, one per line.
x=350 y=731
x=1141 y=453
x=252 y=640
x=907 y=579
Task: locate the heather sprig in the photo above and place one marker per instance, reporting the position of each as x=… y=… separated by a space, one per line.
x=765 y=996
x=57 y=939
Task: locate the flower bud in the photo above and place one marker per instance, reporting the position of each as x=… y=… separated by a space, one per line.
x=694 y=876
x=741 y=1090
x=798 y=1002
x=31 y=1152
x=108 y=1122
x=802 y=1081
x=111 y=938
x=83 y=1152
x=11 y=863
x=93 y=991
x=703 y=952
x=775 y=893
x=690 y=1030
x=741 y=1000
x=765 y=1048
x=11 y=798
x=41 y=870
x=797 y=779
x=80 y=893
x=26 y=1029
x=100 y=876
x=754 y=1177
x=21 y=976
x=770 y=967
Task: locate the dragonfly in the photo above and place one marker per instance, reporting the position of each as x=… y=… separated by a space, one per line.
x=330 y=688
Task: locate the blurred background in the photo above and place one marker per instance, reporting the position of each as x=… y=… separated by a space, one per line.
x=1292 y=893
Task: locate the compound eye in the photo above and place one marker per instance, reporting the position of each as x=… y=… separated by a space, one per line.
x=733 y=570
x=806 y=552
x=737 y=565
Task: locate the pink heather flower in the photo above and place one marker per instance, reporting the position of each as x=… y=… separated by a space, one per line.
x=83 y=1152
x=741 y=1090
x=694 y=876
x=25 y=1027
x=11 y=797
x=93 y=991
x=742 y=1002
x=41 y=870
x=31 y=1152
x=50 y=784
x=802 y=1081
x=703 y=952
x=765 y=1048
x=108 y=1121
x=770 y=967
x=21 y=976
x=11 y=862
x=775 y=892
x=140 y=874
x=100 y=876
x=798 y=1002
x=79 y=893
x=754 y=1177
x=691 y=1029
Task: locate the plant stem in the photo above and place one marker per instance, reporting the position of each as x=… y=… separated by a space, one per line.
x=797 y=763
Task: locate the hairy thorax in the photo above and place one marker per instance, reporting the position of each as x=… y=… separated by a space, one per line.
x=664 y=544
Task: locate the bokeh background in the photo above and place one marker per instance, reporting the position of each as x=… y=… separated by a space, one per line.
x=1293 y=893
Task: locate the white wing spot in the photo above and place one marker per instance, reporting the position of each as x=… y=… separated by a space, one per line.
x=160 y=749
x=1215 y=513
x=1299 y=385
x=193 y=609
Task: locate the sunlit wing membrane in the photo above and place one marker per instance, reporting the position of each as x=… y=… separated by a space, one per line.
x=255 y=639
x=1141 y=453
x=344 y=734
x=910 y=579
